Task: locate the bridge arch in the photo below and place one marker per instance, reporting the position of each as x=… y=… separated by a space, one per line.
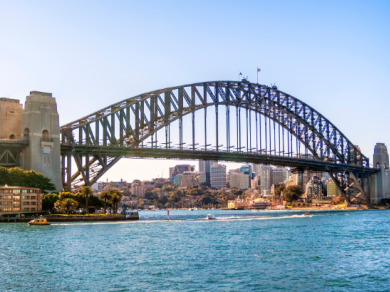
x=131 y=122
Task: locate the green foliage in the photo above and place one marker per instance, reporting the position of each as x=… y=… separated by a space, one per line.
x=48 y=201
x=281 y=188
x=168 y=188
x=292 y=193
x=86 y=192
x=115 y=198
x=66 y=204
x=149 y=195
x=25 y=178
x=195 y=192
x=105 y=197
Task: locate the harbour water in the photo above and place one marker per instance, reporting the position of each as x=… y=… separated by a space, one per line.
x=239 y=251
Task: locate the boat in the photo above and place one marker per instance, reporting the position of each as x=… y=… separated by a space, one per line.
x=307 y=213
x=40 y=221
x=190 y=209
x=210 y=217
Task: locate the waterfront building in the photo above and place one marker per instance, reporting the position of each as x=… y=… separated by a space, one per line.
x=331 y=189
x=239 y=181
x=218 y=176
x=20 y=200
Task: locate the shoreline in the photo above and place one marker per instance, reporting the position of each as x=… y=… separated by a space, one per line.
x=70 y=218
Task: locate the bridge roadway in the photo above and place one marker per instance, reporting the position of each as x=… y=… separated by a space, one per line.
x=186 y=154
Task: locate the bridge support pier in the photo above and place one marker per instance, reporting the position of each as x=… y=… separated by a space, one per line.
x=380 y=182
x=40 y=126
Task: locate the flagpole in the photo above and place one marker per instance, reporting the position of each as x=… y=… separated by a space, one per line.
x=257 y=76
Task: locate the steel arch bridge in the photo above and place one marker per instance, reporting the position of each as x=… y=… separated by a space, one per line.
x=249 y=123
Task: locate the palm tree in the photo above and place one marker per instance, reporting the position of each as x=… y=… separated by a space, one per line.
x=105 y=196
x=86 y=192
x=116 y=197
x=68 y=204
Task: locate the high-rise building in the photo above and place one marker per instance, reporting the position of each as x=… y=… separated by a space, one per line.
x=266 y=178
x=205 y=167
x=246 y=169
x=331 y=189
x=256 y=183
x=279 y=175
x=177 y=179
x=188 y=180
x=218 y=176
x=201 y=178
x=239 y=181
x=256 y=168
x=314 y=188
x=180 y=169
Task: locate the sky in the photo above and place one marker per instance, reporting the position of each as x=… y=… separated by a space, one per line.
x=333 y=55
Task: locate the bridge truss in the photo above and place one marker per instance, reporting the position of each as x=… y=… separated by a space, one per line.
x=219 y=120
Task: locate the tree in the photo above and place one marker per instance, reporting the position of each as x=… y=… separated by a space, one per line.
x=48 y=201
x=105 y=196
x=168 y=188
x=293 y=193
x=149 y=195
x=86 y=192
x=25 y=178
x=67 y=204
x=115 y=198
x=206 y=199
x=278 y=190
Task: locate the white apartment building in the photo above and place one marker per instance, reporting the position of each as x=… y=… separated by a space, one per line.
x=218 y=176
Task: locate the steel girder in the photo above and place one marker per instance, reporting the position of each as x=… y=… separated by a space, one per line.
x=10 y=152
x=130 y=122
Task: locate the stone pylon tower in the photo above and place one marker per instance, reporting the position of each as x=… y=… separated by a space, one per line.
x=40 y=125
x=380 y=185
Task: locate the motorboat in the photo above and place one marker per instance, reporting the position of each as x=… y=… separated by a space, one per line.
x=210 y=217
x=40 y=221
x=190 y=209
x=307 y=213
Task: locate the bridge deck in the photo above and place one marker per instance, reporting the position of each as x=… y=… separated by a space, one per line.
x=305 y=163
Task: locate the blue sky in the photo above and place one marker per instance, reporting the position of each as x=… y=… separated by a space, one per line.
x=333 y=55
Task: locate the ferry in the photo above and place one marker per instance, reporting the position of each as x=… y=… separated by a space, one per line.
x=40 y=221
x=260 y=205
x=132 y=215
